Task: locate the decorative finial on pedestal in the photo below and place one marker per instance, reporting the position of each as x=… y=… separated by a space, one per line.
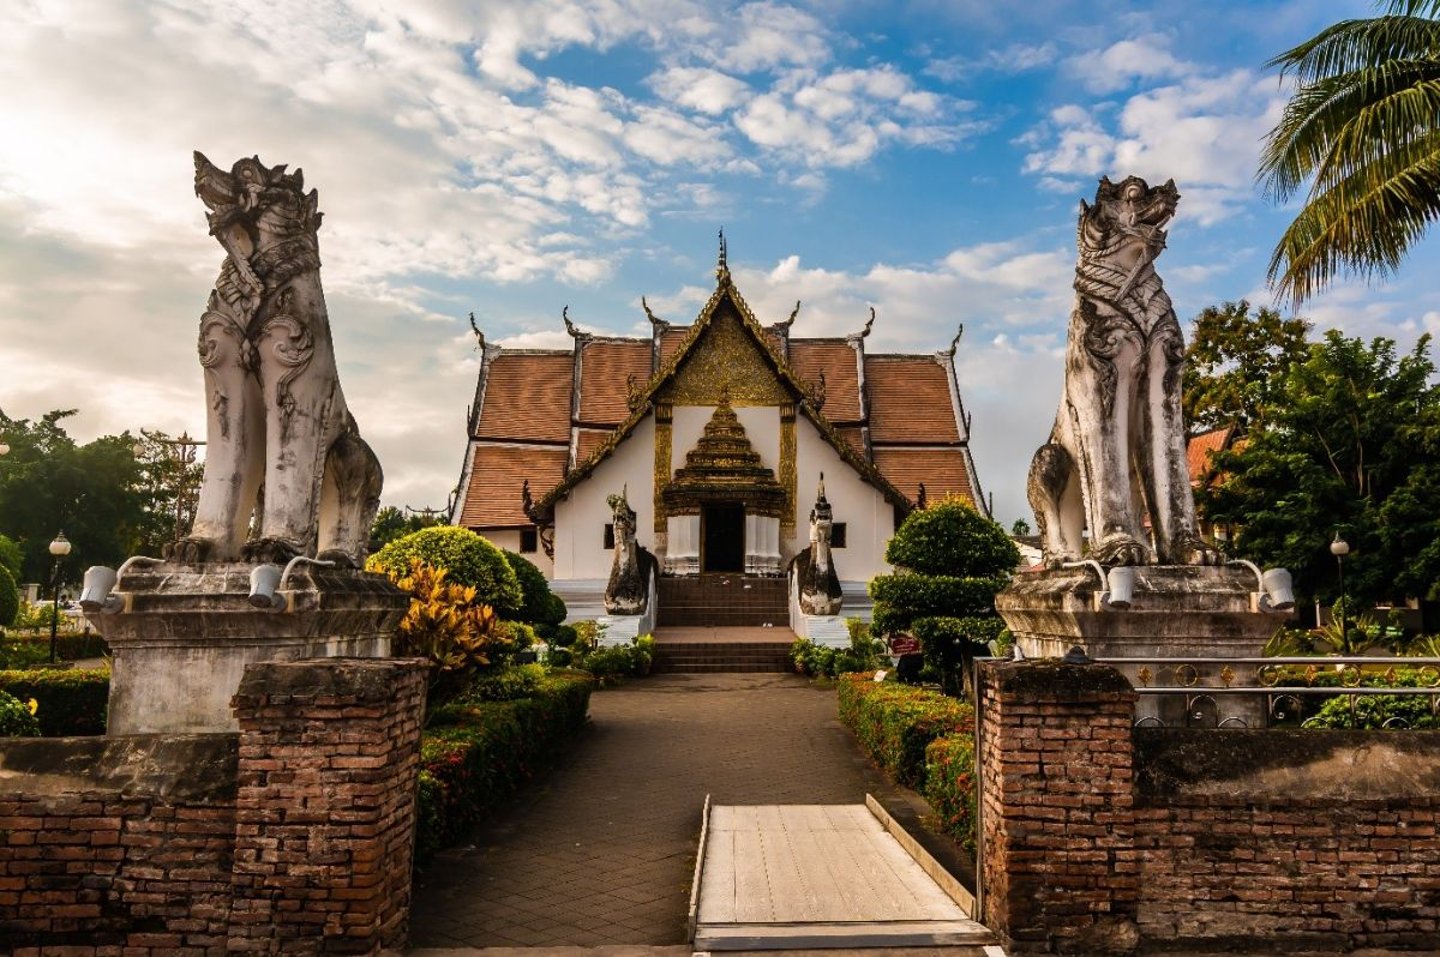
x=722 y=265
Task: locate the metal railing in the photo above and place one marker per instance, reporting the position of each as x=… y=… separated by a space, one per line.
x=1283 y=684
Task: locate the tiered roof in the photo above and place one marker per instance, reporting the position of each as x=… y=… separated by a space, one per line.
x=550 y=416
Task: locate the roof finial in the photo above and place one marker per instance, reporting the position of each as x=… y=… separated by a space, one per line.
x=569 y=326
x=722 y=265
x=479 y=336
x=654 y=319
x=725 y=394
x=921 y=499
x=955 y=343
x=793 y=313
x=869 y=324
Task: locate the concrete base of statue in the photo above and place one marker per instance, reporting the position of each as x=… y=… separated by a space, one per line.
x=1195 y=613
x=187 y=632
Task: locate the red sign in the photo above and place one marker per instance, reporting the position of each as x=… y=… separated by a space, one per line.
x=904 y=645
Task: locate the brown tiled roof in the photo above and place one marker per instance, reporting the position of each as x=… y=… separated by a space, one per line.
x=497 y=474
x=586 y=442
x=1202 y=447
x=842 y=377
x=527 y=398
x=670 y=341
x=942 y=470
x=853 y=437
x=909 y=401
x=606 y=366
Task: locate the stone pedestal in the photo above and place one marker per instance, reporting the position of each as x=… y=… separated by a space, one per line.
x=187 y=632
x=1177 y=611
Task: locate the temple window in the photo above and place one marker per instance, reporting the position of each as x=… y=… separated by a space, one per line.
x=529 y=540
x=837 y=535
x=609 y=535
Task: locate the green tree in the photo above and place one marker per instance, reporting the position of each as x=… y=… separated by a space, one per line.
x=11 y=556
x=1350 y=442
x=49 y=483
x=391 y=523
x=950 y=562
x=1236 y=363
x=468 y=559
x=1361 y=131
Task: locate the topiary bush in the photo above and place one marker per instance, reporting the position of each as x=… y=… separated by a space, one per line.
x=468 y=559
x=69 y=702
x=539 y=605
x=16 y=719
x=818 y=661
x=9 y=598
x=950 y=562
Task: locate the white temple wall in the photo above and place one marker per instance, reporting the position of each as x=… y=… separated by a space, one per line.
x=869 y=519
x=581 y=517
x=509 y=539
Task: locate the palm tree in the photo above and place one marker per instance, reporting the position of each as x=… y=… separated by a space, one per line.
x=1363 y=129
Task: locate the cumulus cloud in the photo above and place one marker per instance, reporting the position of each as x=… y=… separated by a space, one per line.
x=1116 y=67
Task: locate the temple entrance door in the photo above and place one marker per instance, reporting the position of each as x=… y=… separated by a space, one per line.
x=722 y=538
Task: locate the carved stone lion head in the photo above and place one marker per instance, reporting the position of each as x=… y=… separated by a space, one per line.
x=1129 y=211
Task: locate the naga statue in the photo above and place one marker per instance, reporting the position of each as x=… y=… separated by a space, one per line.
x=286 y=472
x=819 y=585
x=628 y=590
x=1117 y=451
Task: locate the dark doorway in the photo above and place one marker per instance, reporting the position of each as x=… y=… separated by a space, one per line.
x=723 y=534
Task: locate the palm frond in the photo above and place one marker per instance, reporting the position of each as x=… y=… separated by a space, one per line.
x=1356 y=44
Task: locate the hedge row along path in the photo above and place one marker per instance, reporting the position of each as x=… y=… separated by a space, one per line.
x=602 y=852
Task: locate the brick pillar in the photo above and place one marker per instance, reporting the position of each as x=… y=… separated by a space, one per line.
x=1057 y=857
x=325 y=811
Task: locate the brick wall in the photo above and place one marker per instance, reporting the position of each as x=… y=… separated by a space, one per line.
x=166 y=844
x=1099 y=838
x=1059 y=866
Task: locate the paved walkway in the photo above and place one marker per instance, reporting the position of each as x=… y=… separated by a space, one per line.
x=604 y=851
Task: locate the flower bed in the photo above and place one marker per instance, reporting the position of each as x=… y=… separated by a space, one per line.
x=477 y=753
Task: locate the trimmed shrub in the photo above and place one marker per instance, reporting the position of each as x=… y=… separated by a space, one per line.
x=468 y=559
x=951 y=786
x=16 y=721
x=476 y=754
x=951 y=538
x=71 y=701
x=616 y=661
x=29 y=650
x=539 y=605
x=951 y=561
x=817 y=661
x=9 y=598
x=895 y=723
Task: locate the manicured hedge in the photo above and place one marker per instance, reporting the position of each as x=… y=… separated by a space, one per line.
x=476 y=754
x=895 y=723
x=950 y=786
x=23 y=649
x=469 y=559
x=71 y=701
x=541 y=606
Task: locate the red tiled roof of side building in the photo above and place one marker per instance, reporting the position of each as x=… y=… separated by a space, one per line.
x=809 y=358
x=670 y=341
x=909 y=401
x=1200 y=449
x=497 y=475
x=527 y=398
x=942 y=470
x=606 y=368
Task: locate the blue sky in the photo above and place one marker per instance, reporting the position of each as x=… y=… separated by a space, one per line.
x=512 y=158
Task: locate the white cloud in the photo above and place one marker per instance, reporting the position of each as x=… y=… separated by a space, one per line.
x=1119 y=65
x=700 y=88
x=1012 y=59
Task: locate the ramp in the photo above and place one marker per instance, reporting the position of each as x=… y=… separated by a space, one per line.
x=773 y=877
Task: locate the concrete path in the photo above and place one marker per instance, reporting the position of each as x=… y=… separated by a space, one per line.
x=603 y=852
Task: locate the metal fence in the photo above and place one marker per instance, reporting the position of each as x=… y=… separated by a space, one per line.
x=1269 y=692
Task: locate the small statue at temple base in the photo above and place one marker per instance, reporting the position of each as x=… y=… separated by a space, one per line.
x=628 y=591
x=819 y=586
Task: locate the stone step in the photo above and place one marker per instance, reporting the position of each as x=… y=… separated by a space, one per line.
x=687 y=668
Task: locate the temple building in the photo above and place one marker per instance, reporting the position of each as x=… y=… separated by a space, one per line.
x=719 y=435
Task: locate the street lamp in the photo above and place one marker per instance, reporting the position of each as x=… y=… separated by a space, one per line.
x=59 y=548
x=1340 y=548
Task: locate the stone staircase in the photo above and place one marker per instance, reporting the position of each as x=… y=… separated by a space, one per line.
x=723 y=601
x=722 y=656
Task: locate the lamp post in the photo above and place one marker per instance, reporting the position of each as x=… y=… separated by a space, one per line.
x=59 y=548
x=1340 y=548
